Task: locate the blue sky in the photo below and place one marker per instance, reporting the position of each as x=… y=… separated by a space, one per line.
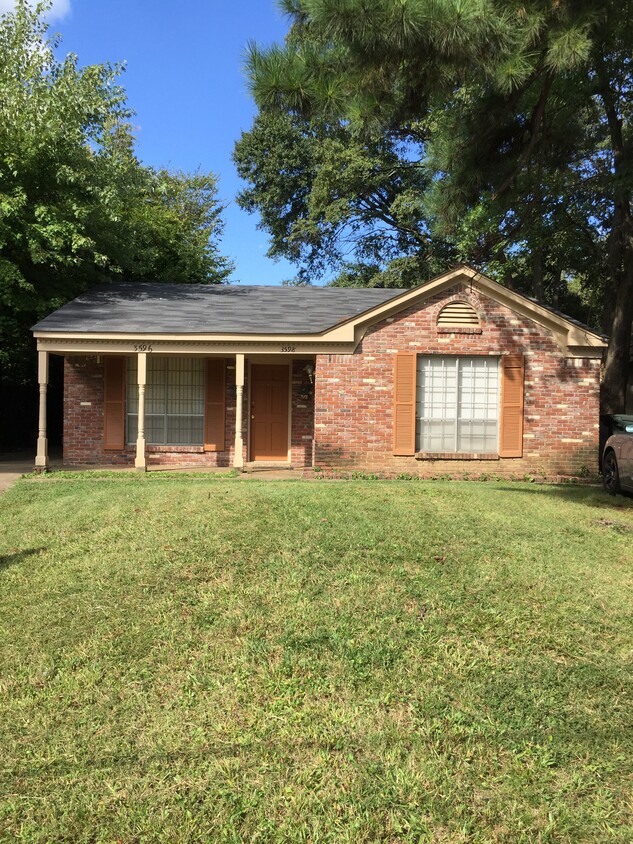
x=184 y=78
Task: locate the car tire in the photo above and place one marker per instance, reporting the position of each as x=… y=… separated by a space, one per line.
x=610 y=473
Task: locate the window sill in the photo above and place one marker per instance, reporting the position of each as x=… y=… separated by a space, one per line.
x=455 y=455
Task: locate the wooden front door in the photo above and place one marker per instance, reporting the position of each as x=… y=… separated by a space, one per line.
x=269 y=411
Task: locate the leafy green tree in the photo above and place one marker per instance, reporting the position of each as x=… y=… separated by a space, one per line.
x=517 y=114
x=174 y=221
x=324 y=193
x=76 y=206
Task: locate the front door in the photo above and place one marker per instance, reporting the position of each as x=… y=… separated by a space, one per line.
x=269 y=411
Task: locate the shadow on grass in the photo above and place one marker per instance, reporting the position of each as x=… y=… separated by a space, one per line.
x=14 y=559
x=592 y=495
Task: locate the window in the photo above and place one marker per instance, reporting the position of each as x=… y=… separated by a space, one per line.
x=457 y=404
x=174 y=401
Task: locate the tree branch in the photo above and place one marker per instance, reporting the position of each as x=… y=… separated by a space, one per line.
x=535 y=121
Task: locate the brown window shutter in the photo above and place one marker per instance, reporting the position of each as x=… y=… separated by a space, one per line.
x=404 y=404
x=114 y=403
x=214 y=405
x=511 y=427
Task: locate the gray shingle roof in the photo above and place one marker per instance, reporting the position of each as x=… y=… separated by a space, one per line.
x=148 y=308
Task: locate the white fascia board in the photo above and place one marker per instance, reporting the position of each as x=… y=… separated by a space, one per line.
x=566 y=332
x=136 y=344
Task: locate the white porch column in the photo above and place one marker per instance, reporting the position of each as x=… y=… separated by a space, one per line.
x=140 y=462
x=41 y=457
x=238 y=459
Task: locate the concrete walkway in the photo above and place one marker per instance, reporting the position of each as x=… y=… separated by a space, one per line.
x=13 y=466
x=17 y=463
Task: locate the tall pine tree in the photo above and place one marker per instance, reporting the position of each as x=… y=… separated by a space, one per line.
x=518 y=114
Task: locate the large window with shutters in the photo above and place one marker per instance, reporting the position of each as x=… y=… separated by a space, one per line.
x=174 y=401
x=457 y=404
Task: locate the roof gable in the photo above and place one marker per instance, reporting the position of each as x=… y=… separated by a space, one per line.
x=569 y=333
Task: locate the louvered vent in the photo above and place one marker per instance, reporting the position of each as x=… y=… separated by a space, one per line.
x=458 y=315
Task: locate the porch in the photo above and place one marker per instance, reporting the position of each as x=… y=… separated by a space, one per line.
x=183 y=409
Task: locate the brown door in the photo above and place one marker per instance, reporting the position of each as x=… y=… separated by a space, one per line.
x=269 y=411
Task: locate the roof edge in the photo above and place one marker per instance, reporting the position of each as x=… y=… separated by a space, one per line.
x=570 y=331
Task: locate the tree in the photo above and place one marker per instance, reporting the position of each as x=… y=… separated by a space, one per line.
x=519 y=116
x=325 y=193
x=76 y=206
x=173 y=221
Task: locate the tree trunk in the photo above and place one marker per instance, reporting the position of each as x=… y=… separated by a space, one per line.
x=618 y=361
x=619 y=258
x=538 y=287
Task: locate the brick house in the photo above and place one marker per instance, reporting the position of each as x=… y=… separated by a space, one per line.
x=459 y=374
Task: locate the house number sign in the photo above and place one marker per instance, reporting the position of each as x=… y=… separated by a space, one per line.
x=288 y=348
x=143 y=347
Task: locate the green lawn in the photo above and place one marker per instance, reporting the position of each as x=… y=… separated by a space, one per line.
x=195 y=659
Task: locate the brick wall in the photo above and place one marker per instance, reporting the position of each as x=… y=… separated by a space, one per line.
x=83 y=422
x=83 y=411
x=302 y=409
x=354 y=394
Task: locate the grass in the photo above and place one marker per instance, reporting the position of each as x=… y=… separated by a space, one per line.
x=193 y=660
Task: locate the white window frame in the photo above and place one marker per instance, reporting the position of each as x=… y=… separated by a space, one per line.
x=151 y=397
x=426 y=416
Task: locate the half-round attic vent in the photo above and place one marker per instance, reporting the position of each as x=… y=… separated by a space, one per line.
x=458 y=315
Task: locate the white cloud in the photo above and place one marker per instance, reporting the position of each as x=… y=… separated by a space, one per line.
x=59 y=9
